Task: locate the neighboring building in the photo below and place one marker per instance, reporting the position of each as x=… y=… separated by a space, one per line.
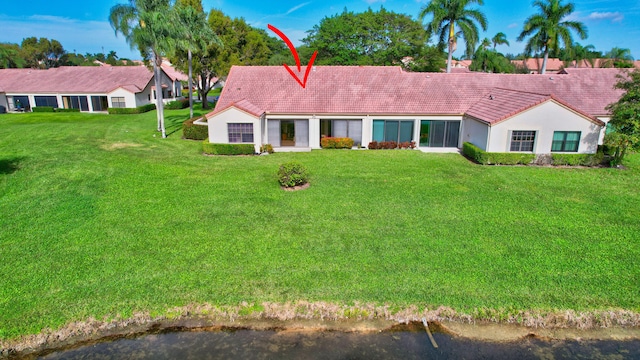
x=496 y=112
x=88 y=88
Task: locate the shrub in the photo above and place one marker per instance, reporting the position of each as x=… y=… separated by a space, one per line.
x=266 y=148
x=43 y=109
x=67 y=110
x=177 y=105
x=138 y=110
x=336 y=143
x=227 y=149
x=577 y=159
x=373 y=145
x=292 y=174
x=194 y=132
x=490 y=158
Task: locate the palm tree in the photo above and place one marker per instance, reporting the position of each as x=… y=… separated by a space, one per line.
x=546 y=28
x=580 y=53
x=500 y=39
x=196 y=35
x=619 y=58
x=149 y=25
x=447 y=14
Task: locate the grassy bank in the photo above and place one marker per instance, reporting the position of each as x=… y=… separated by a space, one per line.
x=101 y=217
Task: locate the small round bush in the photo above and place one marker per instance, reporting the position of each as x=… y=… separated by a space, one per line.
x=292 y=174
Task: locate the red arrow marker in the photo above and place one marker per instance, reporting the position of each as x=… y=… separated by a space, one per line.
x=294 y=52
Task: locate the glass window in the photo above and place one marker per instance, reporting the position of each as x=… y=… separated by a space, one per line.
x=378 y=130
x=565 y=141
x=393 y=130
x=99 y=103
x=46 y=101
x=240 y=133
x=522 y=140
x=118 y=102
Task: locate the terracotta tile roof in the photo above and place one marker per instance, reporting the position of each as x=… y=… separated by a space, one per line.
x=371 y=90
x=243 y=105
x=75 y=79
x=501 y=104
x=173 y=73
x=535 y=64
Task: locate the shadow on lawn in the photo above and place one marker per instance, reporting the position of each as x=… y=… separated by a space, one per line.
x=9 y=166
x=173 y=124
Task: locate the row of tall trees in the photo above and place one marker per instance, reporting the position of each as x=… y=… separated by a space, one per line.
x=43 y=53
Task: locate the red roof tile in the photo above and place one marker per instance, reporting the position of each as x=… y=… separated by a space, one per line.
x=501 y=104
x=371 y=90
x=75 y=79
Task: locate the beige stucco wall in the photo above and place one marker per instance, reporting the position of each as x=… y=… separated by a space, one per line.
x=3 y=101
x=475 y=132
x=545 y=119
x=218 y=133
x=129 y=98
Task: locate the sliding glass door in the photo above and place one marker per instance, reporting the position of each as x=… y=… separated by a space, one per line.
x=288 y=133
x=437 y=133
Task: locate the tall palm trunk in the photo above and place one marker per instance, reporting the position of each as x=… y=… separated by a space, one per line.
x=157 y=60
x=190 y=86
x=544 y=61
x=452 y=40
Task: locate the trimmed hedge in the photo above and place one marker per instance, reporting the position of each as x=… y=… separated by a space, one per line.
x=50 y=109
x=292 y=174
x=43 y=109
x=336 y=143
x=489 y=158
x=177 y=104
x=138 y=110
x=194 y=132
x=577 y=159
x=374 y=145
x=227 y=149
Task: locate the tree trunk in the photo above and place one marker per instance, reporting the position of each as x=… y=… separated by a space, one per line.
x=157 y=60
x=452 y=40
x=190 y=87
x=544 y=61
x=203 y=86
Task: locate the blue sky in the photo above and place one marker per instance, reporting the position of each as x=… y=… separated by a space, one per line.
x=83 y=25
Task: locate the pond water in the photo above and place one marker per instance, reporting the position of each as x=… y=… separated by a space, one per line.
x=406 y=344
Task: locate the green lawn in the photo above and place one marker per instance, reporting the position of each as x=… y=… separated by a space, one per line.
x=101 y=217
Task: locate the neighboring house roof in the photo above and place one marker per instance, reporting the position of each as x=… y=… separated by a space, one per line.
x=501 y=104
x=75 y=79
x=386 y=90
x=172 y=73
x=535 y=64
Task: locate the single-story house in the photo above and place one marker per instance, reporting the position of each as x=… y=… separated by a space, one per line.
x=497 y=112
x=88 y=88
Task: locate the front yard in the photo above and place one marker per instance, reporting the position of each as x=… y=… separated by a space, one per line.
x=101 y=217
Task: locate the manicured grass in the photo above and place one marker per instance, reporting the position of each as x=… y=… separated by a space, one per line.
x=101 y=217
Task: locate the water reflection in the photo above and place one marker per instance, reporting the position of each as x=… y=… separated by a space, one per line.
x=250 y=344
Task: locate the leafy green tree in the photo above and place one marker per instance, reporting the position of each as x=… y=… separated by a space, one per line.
x=369 y=38
x=151 y=26
x=196 y=35
x=625 y=117
x=486 y=59
x=449 y=14
x=112 y=58
x=42 y=53
x=618 y=58
x=10 y=56
x=499 y=39
x=578 y=53
x=548 y=27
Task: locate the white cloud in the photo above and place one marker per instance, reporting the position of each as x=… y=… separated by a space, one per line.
x=613 y=16
x=513 y=25
x=297 y=7
x=374 y=1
